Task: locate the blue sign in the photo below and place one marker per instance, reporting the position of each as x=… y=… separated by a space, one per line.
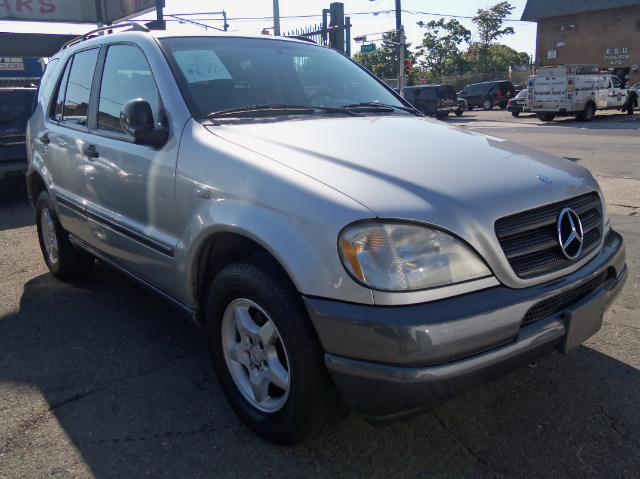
x=18 y=67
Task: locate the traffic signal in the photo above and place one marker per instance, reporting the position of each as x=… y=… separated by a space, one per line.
x=409 y=67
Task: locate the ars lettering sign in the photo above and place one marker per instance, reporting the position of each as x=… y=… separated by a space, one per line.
x=73 y=11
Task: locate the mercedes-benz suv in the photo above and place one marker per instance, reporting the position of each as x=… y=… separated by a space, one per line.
x=256 y=185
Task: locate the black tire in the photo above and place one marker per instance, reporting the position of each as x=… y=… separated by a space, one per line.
x=588 y=113
x=631 y=104
x=62 y=258
x=458 y=112
x=257 y=327
x=545 y=116
x=516 y=114
x=470 y=107
x=503 y=106
x=487 y=104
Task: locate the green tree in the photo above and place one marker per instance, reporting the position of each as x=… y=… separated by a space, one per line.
x=384 y=61
x=439 y=52
x=498 y=59
x=490 y=28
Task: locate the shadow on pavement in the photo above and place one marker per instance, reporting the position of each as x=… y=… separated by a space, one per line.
x=132 y=388
x=15 y=210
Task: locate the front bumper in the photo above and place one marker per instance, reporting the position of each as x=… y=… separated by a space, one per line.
x=388 y=362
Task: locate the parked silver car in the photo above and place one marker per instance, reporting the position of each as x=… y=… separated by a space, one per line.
x=262 y=187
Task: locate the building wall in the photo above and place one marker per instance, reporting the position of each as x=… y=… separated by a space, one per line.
x=607 y=38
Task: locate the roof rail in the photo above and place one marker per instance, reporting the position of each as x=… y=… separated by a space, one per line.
x=93 y=33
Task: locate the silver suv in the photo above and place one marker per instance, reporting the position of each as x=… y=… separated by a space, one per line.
x=262 y=187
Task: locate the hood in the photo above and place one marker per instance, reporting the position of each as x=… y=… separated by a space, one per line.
x=416 y=168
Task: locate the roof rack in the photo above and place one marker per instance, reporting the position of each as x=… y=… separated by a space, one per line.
x=93 y=33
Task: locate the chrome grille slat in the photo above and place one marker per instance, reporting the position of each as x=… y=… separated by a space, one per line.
x=529 y=239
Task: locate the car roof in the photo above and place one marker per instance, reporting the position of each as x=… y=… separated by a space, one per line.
x=174 y=31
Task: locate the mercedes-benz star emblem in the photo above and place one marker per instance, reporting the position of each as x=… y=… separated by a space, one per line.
x=545 y=179
x=570 y=233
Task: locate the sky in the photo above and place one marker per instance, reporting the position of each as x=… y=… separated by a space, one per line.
x=368 y=17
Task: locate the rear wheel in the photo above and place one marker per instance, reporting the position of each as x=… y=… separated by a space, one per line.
x=545 y=116
x=515 y=113
x=631 y=104
x=458 y=112
x=62 y=258
x=266 y=354
x=588 y=113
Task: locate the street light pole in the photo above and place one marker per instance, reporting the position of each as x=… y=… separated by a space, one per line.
x=400 y=41
x=276 y=18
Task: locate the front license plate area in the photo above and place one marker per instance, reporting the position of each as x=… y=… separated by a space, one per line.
x=582 y=321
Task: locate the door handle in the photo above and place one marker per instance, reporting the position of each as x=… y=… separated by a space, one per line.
x=45 y=139
x=90 y=151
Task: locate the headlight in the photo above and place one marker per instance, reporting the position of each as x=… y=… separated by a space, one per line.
x=396 y=256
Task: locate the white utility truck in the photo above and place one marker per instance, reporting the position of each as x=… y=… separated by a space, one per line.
x=577 y=90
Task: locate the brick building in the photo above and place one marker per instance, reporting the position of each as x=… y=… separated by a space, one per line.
x=601 y=32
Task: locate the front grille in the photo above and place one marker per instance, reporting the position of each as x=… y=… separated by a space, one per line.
x=529 y=239
x=560 y=301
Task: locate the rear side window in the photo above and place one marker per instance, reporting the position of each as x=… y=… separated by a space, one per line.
x=447 y=91
x=428 y=94
x=126 y=76
x=74 y=91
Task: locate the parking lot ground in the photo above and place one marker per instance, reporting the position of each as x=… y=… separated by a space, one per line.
x=100 y=380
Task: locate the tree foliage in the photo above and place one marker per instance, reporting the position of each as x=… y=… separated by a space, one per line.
x=439 y=51
x=384 y=61
x=490 y=28
x=447 y=49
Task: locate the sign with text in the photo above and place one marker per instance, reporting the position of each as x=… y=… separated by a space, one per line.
x=73 y=11
x=18 y=67
x=369 y=48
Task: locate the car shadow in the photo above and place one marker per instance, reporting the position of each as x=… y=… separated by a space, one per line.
x=15 y=210
x=607 y=121
x=131 y=387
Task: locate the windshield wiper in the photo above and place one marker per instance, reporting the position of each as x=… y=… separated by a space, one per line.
x=375 y=106
x=271 y=109
x=262 y=110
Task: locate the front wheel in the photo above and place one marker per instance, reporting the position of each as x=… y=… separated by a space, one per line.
x=458 y=112
x=62 y=258
x=266 y=354
x=631 y=104
x=487 y=104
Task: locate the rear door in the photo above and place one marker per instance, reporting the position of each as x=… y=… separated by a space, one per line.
x=64 y=137
x=448 y=97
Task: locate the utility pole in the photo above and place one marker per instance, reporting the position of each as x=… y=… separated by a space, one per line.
x=276 y=18
x=400 y=41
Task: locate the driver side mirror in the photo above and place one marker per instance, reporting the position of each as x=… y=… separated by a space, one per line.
x=136 y=118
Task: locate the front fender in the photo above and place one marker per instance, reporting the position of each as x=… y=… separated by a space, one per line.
x=304 y=247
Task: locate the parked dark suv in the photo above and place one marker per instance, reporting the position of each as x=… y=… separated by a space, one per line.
x=488 y=94
x=433 y=100
x=16 y=105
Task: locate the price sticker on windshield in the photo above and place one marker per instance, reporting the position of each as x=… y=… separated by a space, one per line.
x=201 y=65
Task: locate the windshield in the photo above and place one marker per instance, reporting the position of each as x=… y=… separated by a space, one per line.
x=219 y=74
